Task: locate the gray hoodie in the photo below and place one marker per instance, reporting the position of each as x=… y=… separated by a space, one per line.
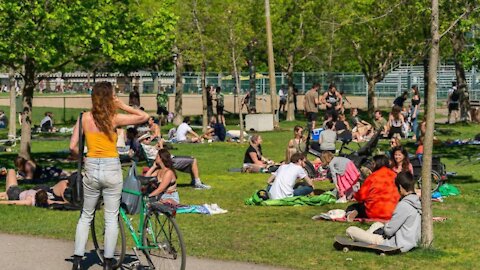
x=404 y=229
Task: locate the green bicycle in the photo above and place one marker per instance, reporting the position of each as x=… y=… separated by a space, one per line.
x=158 y=236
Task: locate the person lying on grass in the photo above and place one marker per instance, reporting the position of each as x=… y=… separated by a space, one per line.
x=37 y=196
x=284 y=182
x=378 y=194
x=404 y=229
x=30 y=171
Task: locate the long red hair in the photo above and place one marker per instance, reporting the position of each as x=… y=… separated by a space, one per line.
x=103 y=107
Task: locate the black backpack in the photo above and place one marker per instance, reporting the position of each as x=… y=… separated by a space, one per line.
x=455 y=95
x=74 y=192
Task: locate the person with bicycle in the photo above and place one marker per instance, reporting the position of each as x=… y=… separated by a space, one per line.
x=166 y=188
x=103 y=171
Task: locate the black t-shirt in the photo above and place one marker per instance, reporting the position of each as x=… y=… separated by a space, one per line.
x=399 y=101
x=250 y=149
x=340 y=125
x=209 y=99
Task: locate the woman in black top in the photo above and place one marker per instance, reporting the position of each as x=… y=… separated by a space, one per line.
x=253 y=160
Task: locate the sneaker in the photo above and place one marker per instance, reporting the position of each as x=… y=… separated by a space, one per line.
x=201 y=186
x=217 y=209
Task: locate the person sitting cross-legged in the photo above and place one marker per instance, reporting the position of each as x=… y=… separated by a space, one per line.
x=283 y=182
x=404 y=229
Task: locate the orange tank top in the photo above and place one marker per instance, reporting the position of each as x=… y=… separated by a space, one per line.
x=100 y=146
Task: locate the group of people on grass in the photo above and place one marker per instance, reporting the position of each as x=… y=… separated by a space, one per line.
x=376 y=198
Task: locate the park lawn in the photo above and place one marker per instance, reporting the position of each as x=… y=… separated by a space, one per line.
x=282 y=236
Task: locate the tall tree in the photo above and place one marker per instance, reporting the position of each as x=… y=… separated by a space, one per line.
x=379 y=31
x=427 y=224
x=88 y=28
x=296 y=37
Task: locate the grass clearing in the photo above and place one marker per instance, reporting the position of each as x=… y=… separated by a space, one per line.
x=282 y=236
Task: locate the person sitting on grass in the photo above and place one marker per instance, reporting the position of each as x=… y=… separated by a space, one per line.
x=404 y=229
x=344 y=174
x=361 y=130
x=378 y=194
x=283 y=182
x=37 y=196
x=154 y=128
x=254 y=161
x=328 y=138
x=167 y=178
x=186 y=164
x=186 y=134
x=399 y=160
x=297 y=144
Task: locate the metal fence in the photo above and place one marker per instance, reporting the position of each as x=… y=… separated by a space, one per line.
x=397 y=81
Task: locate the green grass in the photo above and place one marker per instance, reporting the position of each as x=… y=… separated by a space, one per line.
x=281 y=236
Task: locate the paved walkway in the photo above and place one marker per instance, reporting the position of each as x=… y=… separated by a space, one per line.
x=26 y=252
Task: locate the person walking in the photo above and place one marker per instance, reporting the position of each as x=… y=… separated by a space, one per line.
x=103 y=171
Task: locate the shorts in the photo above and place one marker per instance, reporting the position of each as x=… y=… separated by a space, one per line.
x=13 y=193
x=283 y=101
x=183 y=163
x=395 y=130
x=312 y=116
x=162 y=110
x=453 y=107
x=220 y=110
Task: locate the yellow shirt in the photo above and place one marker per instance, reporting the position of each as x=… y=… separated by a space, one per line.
x=100 y=146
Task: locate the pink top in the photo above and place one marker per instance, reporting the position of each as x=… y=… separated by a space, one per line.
x=28 y=193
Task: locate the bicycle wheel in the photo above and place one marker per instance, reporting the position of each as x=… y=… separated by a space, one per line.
x=97 y=228
x=436 y=181
x=164 y=240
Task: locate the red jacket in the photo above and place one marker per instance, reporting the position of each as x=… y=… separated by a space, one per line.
x=379 y=194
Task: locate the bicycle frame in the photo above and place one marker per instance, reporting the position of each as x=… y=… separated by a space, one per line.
x=136 y=235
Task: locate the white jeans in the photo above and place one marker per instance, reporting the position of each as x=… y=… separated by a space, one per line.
x=360 y=235
x=102 y=176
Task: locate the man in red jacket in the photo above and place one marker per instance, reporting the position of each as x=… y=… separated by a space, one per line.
x=378 y=196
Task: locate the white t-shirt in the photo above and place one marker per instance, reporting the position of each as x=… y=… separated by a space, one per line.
x=282 y=94
x=182 y=131
x=46 y=119
x=285 y=179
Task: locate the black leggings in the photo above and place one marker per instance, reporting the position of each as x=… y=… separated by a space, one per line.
x=360 y=207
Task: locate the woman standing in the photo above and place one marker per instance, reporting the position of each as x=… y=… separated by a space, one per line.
x=103 y=172
x=415 y=108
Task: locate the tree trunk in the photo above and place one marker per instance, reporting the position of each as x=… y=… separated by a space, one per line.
x=12 y=121
x=425 y=83
x=237 y=85
x=271 y=62
x=178 y=119
x=427 y=223
x=253 y=88
x=204 y=97
x=371 y=96
x=290 y=105
x=27 y=97
x=458 y=43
